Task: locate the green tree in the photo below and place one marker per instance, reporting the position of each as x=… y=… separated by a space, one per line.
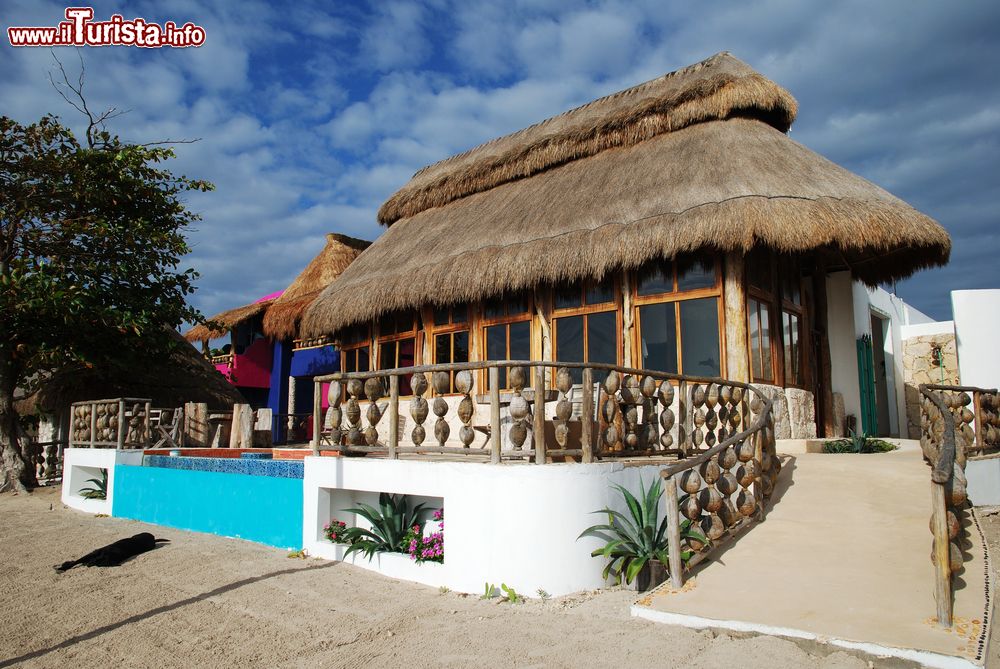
x=91 y=239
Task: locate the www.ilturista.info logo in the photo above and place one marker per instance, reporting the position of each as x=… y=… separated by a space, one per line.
x=79 y=29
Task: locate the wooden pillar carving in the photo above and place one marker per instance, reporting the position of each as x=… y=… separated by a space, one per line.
x=543 y=311
x=822 y=386
x=735 y=309
x=628 y=325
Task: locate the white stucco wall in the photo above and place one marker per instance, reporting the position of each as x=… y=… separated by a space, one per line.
x=80 y=464
x=513 y=523
x=843 y=349
x=977 y=325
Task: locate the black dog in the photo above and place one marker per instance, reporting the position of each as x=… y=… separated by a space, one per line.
x=114 y=554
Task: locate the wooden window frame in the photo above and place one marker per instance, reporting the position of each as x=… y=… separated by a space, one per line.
x=775 y=300
x=485 y=323
x=791 y=266
x=612 y=305
x=353 y=347
x=450 y=329
x=675 y=297
x=765 y=304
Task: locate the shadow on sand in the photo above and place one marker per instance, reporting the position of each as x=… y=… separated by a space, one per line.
x=104 y=629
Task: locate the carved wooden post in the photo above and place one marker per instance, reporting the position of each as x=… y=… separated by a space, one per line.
x=518 y=408
x=317 y=419
x=538 y=427
x=673 y=533
x=495 y=441
x=977 y=413
x=684 y=418
x=628 y=324
x=147 y=430
x=393 y=442
x=587 y=416
x=333 y=397
x=735 y=305
x=122 y=425
x=942 y=554
x=464 y=382
x=93 y=423
x=235 y=426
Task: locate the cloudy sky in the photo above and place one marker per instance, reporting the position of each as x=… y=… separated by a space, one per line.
x=311 y=115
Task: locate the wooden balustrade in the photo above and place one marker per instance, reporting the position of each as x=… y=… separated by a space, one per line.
x=724 y=489
x=120 y=423
x=628 y=413
x=949 y=432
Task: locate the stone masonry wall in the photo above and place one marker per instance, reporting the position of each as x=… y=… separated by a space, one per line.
x=918 y=367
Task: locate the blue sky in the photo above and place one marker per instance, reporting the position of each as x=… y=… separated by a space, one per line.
x=311 y=115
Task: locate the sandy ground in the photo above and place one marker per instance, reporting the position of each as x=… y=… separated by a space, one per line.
x=204 y=601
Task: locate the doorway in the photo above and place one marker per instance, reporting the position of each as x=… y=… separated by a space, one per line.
x=880 y=369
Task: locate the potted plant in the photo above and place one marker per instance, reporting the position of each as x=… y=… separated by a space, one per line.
x=636 y=544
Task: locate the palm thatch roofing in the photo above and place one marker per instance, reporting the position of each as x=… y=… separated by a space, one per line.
x=281 y=321
x=695 y=159
x=220 y=324
x=184 y=375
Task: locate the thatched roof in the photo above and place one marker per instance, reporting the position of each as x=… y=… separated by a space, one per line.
x=219 y=325
x=282 y=318
x=694 y=159
x=182 y=376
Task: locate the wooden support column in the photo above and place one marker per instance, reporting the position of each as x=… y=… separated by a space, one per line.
x=735 y=301
x=393 y=443
x=822 y=386
x=587 y=416
x=673 y=532
x=234 y=428
x=538 y=416
x=495 y=443
x=543 y=312
x=628 y=323
x=942 y=554
x=427 y=329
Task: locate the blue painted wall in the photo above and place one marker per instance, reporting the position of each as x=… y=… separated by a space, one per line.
x=277 y=395
x=315 y=361
x=265 y=509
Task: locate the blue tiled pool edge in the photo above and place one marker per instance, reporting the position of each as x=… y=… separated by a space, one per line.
x=248 y=467
x=263 y=508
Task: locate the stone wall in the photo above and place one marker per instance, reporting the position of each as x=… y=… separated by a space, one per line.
x=918 y=367
x=794 y=412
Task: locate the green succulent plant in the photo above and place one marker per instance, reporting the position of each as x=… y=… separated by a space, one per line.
x=389 y=524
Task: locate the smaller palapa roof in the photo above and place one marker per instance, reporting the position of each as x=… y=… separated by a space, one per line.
x=283 y=315
x=220 y=324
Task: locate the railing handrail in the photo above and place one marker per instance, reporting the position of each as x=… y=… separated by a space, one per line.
x=111 y=399
x=944 y=468
x=967 y=389
x=486 y=364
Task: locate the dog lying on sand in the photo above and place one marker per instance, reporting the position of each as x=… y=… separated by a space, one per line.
x=116 y=553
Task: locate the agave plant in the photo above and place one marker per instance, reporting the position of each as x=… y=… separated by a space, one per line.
x=632 y=541
x=100 y=488
x=389 y=524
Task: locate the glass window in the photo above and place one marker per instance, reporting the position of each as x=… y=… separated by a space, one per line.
x=396 y=323
x=567 y=297
x=792 y=286
x=602 y=292
x=699 y=273
x=759 y=269
x=508 y=341
x=396 y=354
x=793 y=350
x=587 y=338
x=656 y=280
x=451 y=347
x=658 y=337
x=700 y=337
x=569 y=339
x=356 y=359
x=760 y=341
x=602 y=337
x=451 y=315
x=507 y=305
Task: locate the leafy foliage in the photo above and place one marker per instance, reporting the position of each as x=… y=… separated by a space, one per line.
x=510 y=595
x=858 y=444
x=91 y=239
x=99 y=490
x=390 y=523
x=632 y=541
x=489 y=591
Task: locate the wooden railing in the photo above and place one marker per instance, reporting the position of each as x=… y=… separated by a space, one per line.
x=723 y=490
x=223 y=359
x=949 y=431
x=612 y=412
x=120 y=423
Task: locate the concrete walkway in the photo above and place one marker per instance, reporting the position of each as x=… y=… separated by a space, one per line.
x=843 y=556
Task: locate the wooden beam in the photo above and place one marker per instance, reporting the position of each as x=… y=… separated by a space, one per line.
x=393 y=443
x=673 y=532
x=628 y=324
x=942 y=554
x=735 y=316
x=823 y=386
x=587 y=416
x=538 y=416
x=495 y=447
